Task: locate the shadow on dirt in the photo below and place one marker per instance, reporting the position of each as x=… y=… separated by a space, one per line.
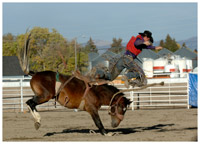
x=159 y=127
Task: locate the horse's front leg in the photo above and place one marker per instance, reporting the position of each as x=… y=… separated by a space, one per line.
x=93 y=111
x=97 y=121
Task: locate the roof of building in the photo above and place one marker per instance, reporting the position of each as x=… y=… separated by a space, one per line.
x=147 y=53
x=165 y=51
x=109 y=54
x=11 y=66
x=186 y=52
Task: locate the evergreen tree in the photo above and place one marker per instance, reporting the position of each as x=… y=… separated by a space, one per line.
x=169 y=43
x=116 y=46
x=174 y=46
x=162 y=43
x=184 y=45
x=90 y=46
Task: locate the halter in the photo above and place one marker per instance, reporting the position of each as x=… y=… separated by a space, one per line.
x=119 y=116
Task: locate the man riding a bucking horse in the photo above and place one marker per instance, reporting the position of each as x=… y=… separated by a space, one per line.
x=133 y=49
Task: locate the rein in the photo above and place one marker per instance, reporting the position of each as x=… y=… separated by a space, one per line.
x=126 y=90
x=134 y=89
x=120 y=116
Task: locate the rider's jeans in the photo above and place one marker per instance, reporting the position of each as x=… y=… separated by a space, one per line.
x=134 y=71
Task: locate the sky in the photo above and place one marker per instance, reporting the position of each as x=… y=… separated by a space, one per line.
x=103 y=21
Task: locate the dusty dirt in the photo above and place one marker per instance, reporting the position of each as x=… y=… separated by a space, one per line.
x=138 y=125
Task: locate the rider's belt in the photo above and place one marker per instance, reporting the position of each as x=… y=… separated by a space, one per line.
x=130 y=56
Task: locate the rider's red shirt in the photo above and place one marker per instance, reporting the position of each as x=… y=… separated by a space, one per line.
x=131 y=47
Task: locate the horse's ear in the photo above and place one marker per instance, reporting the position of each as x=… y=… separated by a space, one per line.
x=128 y=101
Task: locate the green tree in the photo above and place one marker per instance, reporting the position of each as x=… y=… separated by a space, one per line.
x=169 y=43
x=162 y=43
x=82 y=57
x=116 y=46
x=9 y=45
x=83 y=62
x=46 y=48
x=184 y=45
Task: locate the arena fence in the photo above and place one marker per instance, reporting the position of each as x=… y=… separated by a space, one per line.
x=169 y=95
x=16 y=91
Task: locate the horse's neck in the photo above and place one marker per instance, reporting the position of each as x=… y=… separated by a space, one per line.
x=107 y=97
x=64 y=78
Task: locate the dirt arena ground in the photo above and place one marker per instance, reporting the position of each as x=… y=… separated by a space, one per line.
x=138 y=125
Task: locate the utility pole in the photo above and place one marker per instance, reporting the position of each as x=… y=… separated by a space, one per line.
x=75 y=50
x=75 y=54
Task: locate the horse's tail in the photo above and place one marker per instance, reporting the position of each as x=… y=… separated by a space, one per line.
x=24 y=57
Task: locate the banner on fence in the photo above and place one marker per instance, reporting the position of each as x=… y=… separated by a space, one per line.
x=193 y=90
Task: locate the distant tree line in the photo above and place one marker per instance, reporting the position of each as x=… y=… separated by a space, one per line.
x=45 y=46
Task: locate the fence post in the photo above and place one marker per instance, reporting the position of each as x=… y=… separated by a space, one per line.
x=132 y=98
x=138 y=99
x=170 y=93
x=150 y=96
x=21 y=88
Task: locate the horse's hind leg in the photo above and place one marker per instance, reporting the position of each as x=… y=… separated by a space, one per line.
x=32 y=108
x=42 y=95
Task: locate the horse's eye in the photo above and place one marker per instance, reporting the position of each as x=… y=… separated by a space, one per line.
x=112 y=109
x=124 y=109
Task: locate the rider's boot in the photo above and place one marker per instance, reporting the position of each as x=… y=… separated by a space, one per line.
x=138 y=81
x=126 y=81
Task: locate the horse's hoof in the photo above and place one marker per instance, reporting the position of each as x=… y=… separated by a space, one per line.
x=92 y=132
x=37 y=125
x=110 y=134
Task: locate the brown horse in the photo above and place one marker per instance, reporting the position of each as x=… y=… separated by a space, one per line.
x=73 y=94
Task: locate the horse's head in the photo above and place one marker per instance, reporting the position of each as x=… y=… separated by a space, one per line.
x=117 y=109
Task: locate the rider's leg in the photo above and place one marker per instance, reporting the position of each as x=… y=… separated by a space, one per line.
x=111 y=74
x=140 y=79
x=98 y=73
x=134 y=72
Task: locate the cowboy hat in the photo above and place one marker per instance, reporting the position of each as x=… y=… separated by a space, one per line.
x=148 y=34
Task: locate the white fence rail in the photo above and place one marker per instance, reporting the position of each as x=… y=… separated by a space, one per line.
x=15 y=92
x=174 y=93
